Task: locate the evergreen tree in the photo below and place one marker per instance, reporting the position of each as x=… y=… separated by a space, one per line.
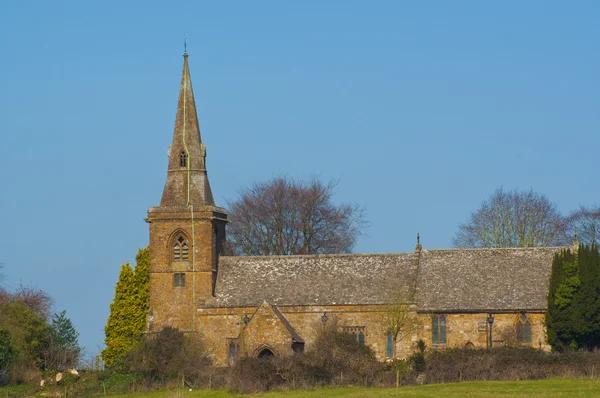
x=573 y=316
x=63 y=351
x=127 y=319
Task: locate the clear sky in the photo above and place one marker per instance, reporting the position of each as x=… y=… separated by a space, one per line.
x=420 y=109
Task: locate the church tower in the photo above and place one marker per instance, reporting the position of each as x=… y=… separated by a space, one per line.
x=187 y=230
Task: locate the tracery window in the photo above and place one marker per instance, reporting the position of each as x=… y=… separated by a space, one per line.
x=523 y=330
x=180 y=250
x=358 y=332
x=438 y=329
x=183 y=159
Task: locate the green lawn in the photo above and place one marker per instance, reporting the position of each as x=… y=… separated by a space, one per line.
x=539 y=388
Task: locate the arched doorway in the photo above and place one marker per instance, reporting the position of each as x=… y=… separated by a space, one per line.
x=266 y=353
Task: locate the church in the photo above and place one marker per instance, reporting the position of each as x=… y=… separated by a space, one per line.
x=274 y=305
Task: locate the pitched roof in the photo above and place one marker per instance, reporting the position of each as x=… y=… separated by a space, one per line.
x=446 y=280
x=313 y=280
x=484 y=279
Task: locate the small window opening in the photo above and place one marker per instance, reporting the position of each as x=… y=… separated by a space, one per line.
x=183 y=159
x=179 y=280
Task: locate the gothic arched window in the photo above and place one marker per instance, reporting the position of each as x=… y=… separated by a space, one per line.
x=390 y=345
x=523 y=330
x=180 y=249
x=183 y=159
x=438 y=329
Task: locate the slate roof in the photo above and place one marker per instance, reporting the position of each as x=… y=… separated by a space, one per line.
x=446 y=280
x=313 y=280
x=484 y=279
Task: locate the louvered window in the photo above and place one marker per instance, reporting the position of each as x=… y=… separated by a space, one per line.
x=181 y=250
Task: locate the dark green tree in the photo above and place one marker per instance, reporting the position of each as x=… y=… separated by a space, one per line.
x=572 y=319
x=7 y=353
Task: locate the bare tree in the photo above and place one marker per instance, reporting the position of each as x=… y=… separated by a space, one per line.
x=285 y=216
x=35 y=299
x=583 y=224
x=399 y=318
x=512 y=219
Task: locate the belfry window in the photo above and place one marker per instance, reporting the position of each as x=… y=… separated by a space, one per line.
x=438 y=329
x=181 y=250
x=183 y=159
x=523 y=330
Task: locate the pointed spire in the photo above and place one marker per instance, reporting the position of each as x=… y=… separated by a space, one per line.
x=187 y=180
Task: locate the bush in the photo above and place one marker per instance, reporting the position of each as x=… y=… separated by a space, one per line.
x=335 y=359
x=507 y=363
x=417 y=359
x=169 y=355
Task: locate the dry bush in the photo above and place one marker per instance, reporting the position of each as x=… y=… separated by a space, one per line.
x=335 y=359
x=170 y=356
x=252 y=375
x=507 y=363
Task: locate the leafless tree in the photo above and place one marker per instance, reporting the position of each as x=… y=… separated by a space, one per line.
x=513 y=219
x=583 y=224
x=400 y=318
x=35 y=299
x=284 y=216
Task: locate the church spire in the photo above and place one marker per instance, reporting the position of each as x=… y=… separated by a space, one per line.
x=187 y=180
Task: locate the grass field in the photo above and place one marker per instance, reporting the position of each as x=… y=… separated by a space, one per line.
x=538 y=388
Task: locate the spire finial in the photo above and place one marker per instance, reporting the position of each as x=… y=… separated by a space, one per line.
x=418 y=247
x=184 y=44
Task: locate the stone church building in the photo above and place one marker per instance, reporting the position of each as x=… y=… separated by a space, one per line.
x=262 y=306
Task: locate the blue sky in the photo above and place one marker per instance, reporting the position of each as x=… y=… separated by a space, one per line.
x=420 y=109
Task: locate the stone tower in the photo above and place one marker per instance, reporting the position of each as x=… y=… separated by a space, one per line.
x=187 y=230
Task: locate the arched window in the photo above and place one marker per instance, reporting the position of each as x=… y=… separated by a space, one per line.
x=390 y=345
x=523 y=330
x=438 y=329
x=181 y=250
x=183 y=159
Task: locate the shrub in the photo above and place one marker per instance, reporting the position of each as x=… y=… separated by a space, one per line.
x=169 y=355
x=417 y=359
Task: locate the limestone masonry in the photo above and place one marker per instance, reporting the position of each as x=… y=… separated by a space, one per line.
x=262 y=306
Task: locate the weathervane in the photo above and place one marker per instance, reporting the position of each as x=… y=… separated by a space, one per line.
x=184 y=44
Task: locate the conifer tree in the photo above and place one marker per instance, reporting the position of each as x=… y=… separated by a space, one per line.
x=127 y=319
x=573 y=316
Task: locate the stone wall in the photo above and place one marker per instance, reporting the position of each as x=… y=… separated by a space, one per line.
x=215 y=325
